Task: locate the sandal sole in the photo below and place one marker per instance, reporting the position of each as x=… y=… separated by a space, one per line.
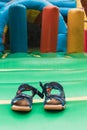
x=54 y=107
x=21 y=108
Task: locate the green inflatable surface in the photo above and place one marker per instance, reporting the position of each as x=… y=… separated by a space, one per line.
x=69 y=70
x=74 y=117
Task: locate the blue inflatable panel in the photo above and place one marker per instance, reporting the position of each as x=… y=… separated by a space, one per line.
x=5 y=1
x=64 y=3
x=2 y=4
x=1 y=45
x=62 y=35
x=62 y=43
x=64 y=11
x=62 y=28
x=18 y=29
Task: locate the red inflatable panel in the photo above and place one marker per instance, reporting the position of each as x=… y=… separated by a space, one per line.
x=49 y=30
x=85 y=40
x=84 y=4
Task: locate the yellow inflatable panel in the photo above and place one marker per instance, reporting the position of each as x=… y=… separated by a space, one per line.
x=32 y=15
x=75 y=41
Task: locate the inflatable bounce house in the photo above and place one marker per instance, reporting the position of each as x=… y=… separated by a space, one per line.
x=54 y=37
x=43 y=52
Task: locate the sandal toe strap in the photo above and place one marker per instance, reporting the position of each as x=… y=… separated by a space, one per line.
x=21 y=97
x=55 y=97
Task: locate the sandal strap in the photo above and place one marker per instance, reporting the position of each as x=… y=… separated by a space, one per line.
x=53 y=85
x=20 y=97
x=62 y=100
x=26 y=87
x=43 y=88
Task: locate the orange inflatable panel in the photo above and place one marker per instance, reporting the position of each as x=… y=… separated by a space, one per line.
x=49 y=30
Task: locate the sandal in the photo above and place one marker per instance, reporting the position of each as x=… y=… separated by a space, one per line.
x=23 y=102
x=53 y=101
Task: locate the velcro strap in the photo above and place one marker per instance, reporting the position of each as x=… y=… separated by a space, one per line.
x=26 y=87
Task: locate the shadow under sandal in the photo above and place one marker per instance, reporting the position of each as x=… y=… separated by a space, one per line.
x=53 y=101
x=23 y=102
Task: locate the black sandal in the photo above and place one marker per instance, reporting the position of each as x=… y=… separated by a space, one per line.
x=53 y=101
x=23 y=102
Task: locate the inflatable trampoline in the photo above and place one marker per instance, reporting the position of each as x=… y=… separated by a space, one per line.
x=42 y=42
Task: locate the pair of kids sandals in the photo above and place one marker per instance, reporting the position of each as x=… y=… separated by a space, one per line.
x=52 y=101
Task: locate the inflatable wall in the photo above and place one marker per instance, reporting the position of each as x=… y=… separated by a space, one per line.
x=54 y=31
x=29 y=4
